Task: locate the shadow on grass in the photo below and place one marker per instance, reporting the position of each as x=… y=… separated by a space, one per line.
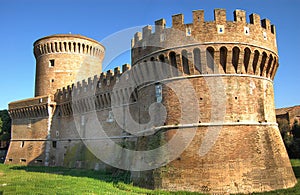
x=297 y=171
x=114 y=176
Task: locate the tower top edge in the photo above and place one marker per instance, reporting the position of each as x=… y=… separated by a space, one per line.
x=68 y=36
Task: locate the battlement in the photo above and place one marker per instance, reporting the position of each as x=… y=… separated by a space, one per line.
x=211 y=47
x=67 y=43
x=29 y=108
x=102 y=83
x=220 y=30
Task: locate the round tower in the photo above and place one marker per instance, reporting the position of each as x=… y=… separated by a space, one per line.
x=237 y=147
x=64 y=59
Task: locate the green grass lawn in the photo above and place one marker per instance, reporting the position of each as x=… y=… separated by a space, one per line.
x=57 y=180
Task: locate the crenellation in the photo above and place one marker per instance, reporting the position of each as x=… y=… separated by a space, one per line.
x=177 y=21
x=240 y=16
x=125 y=67
x=265 y=23
x=147 y=30
x=159 y=26
x=198 y=17
x=220 y=16
x=255 y=19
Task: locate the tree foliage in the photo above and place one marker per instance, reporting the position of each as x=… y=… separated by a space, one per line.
x=290 y=136
x=1 y=124
x=5 y=125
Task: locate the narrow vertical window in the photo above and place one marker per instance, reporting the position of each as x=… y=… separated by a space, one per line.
x=197 y=59
x=172 y=57
x=51 y=63
x=185 y=62
x=22 y=144
x=247 y=54
x=235 y=58
x=263 y=62
x=210 y=52
x=223 y=58
x=54 y=144
x=269 y=65
x=255 y=60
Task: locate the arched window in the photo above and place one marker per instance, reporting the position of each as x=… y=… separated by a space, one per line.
x=235 y=57
x=70 y=47
x=210 y=52
x=74 y=47
x=65 y=46
x=87 y=49
x=273 y=68
x=255 y=60
x=197 y=59
x=223 y=58
x=269 y=65
x=161 y=58
x=185 y=62
x=172 y=57
x=60 y=46
x=78 y=46
x=263 y=62
x=51 y=47
x=247 y=54
x=45 y=48
x=56 y=47
x=152 y=59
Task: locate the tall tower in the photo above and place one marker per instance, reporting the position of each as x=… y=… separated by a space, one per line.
x=64 y=59
x=237 y=147
x=61 y=60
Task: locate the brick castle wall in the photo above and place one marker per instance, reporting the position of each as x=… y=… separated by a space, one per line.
x=230 y=65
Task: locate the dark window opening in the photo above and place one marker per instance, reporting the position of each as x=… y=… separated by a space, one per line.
x=54 y=144
x=162 y=58
x=235 y=58
x=210 y=59
x=197 y=59
x=262 y=64
x=22 y=160
x=185 y=62
x=255 y=60
x=22 y=144
x=172 y=57
x=223 y=58
x=247 y=54
x=51 y=63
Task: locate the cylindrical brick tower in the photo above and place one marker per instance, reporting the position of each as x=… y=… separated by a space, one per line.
x=64 y=59
x=237 y=147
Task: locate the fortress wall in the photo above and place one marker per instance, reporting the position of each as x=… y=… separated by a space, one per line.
x=29 y=131
x=244 y=159
x=248 y=153
x=230 y=66
x=87 y=102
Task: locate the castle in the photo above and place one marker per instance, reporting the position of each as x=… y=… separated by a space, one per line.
x=195 y=111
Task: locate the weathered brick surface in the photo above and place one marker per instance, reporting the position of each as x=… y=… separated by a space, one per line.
x=230 y=67
x=75 y=58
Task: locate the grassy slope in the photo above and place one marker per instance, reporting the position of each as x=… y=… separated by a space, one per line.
x=46 y=180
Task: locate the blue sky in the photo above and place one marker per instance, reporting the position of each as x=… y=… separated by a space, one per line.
x=23 y=22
